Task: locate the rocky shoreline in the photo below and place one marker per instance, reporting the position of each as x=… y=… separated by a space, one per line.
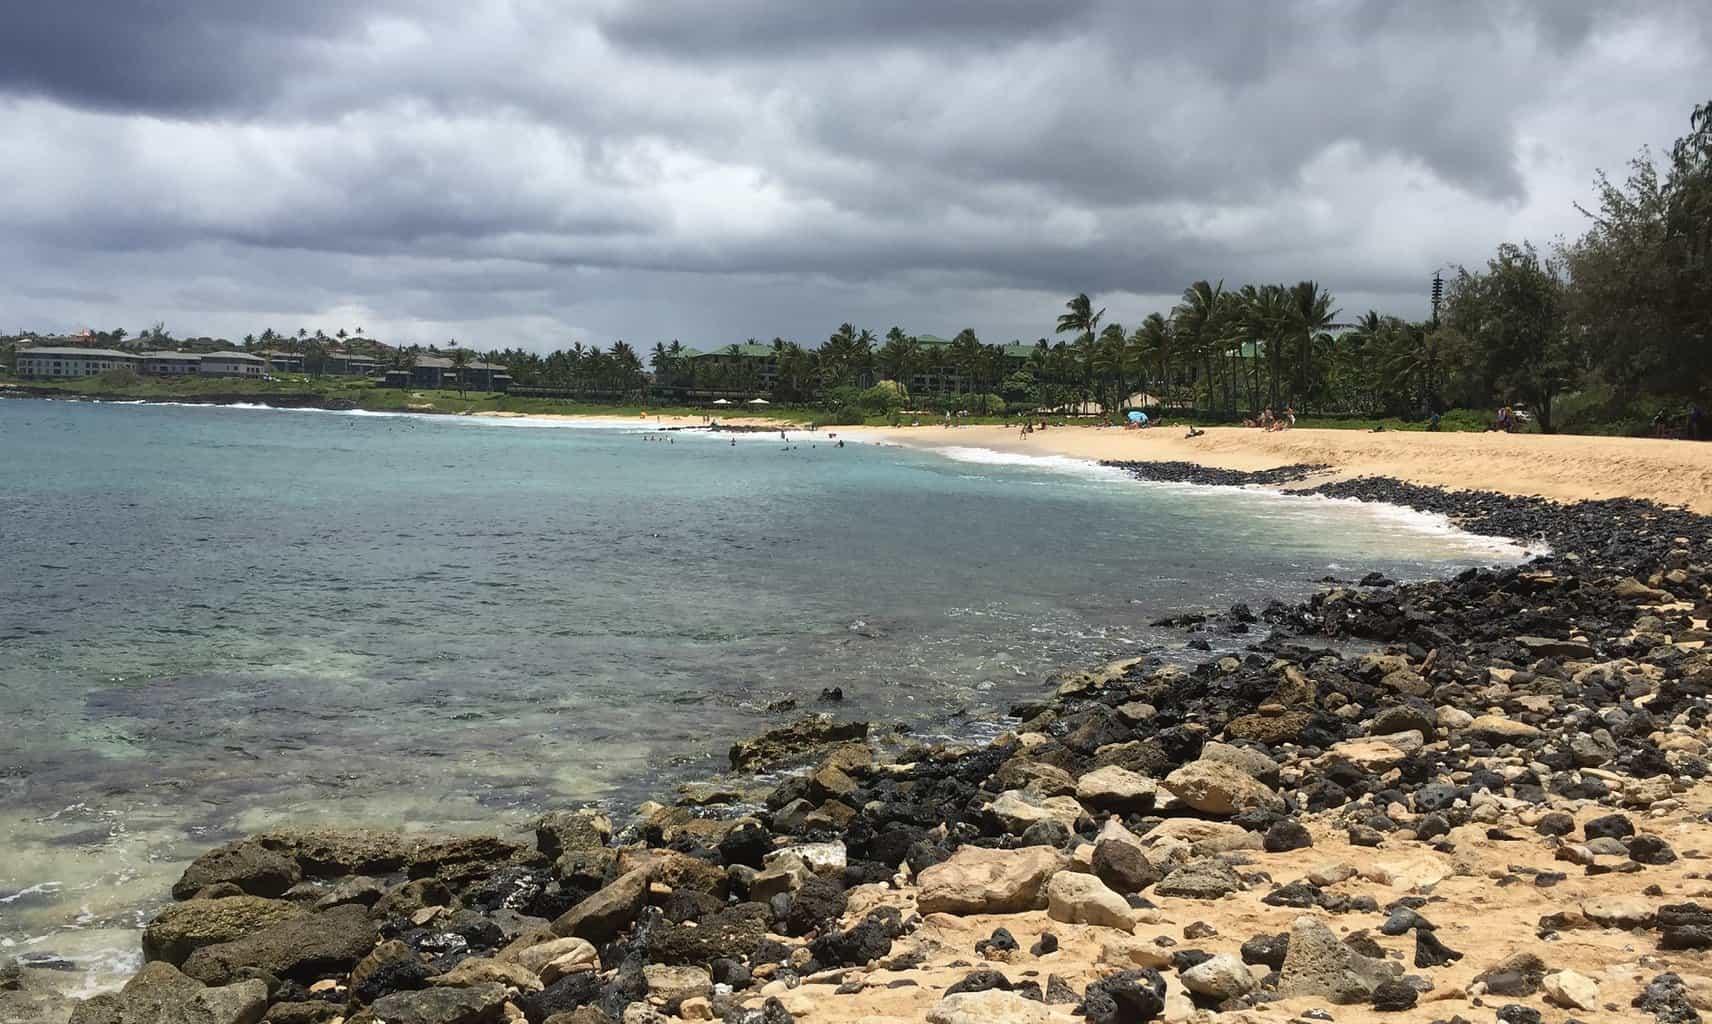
x=1211 y=476
x=1474 y=799
x=273 y=400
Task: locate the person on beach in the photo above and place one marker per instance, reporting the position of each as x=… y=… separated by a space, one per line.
x=1289 y=417
x=1266 y=418
x=1694 y=429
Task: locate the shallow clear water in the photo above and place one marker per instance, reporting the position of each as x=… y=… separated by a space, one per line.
x=216 y=619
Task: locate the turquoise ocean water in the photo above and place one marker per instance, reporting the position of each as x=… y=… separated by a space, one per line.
x=219 y=619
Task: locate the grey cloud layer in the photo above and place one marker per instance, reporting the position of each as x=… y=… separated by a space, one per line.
x=513 y=167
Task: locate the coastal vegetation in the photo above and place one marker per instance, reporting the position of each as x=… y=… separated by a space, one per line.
x=1610 y=332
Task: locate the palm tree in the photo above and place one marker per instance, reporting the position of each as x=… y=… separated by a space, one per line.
x=1195 y=325
x=1108 y=360
x=899 y=356
x=626 y=367
x=964 y=351
x=460 y=361
x=862 y=355
x=1080 y=318
x=1312 y=321
x=1152 y=341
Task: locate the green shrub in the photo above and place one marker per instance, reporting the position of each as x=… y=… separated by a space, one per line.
x=884 y=397
x=120 y=378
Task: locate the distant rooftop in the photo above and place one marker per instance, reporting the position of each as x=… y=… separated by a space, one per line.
x=446 y=364
x=752 y=349
x=77 y=350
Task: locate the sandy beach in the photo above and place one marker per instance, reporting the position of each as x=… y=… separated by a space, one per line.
x=1559 y=467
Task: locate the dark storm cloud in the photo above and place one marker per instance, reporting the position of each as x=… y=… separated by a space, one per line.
x=778 y=28
x=167 y=56
x=530 y=168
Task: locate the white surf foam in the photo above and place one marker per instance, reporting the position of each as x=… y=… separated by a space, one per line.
x=1315 y=505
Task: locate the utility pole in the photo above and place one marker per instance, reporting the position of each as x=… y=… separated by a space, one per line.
x=1438 y=295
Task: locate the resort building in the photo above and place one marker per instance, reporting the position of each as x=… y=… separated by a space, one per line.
x=937 y=373
x=283 y=362
x=232 y=364
x=56 y=361
x=744 y=367
x=349 y=364
x=171 y=364
x=439 y=372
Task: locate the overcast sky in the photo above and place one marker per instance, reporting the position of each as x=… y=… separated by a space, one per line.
x=534 y=172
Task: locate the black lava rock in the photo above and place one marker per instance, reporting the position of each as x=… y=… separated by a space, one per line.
x=1129 y=997
x=980 y=981
x=1615 y=826
x=816 y=904
x=869 y=939
x=1001 y=942
x=1123 y=867
x=746 y=844
x=1430 y=952
x=562 y=996
x=1393 y=996
x=1667 y=1000
x=1650 y=849
x=1267 y=949
x=1285 y=835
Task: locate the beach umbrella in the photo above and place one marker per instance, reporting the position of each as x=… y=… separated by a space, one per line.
x=758 y=401
x=722 y=401
x=1136 y=416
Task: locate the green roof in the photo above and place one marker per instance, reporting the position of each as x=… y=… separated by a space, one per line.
x=749 y=349
x=931 y=339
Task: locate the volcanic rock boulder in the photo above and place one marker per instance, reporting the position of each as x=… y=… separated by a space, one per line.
x=160 y=994
x=1218 y=787
x=247 y=864
x=796 y=740
x=297 y=949
x=604 y=914
x=1317 y=964
x=1076 y=898
x=477 y=1004
x=981 y=881
x=181 y=929
x=1116 y=789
